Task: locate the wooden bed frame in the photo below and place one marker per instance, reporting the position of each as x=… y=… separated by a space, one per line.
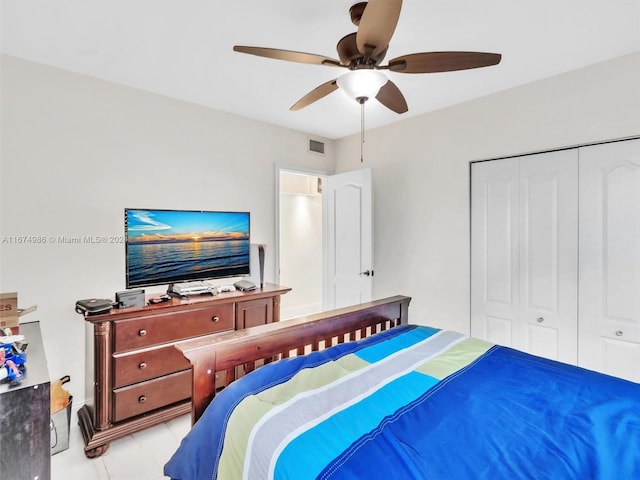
x=218 y=359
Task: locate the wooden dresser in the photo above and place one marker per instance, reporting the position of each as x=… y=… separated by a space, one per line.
x=137 y=377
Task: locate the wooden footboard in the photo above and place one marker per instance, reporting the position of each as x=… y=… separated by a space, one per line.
x=217 y=360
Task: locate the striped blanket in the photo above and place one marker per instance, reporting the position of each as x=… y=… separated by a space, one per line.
x=416 y=403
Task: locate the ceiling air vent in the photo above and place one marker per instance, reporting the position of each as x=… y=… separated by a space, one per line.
x=316 y=146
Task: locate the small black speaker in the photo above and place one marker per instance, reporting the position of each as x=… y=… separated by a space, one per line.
x=130 y=298
x=261 y=260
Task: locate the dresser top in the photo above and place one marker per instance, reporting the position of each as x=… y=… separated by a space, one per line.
x=177 y=303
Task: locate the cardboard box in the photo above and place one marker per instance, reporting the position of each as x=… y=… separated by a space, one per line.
x=9 y=310
x=10 y=313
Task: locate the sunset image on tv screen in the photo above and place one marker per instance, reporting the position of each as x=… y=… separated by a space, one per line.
x=168 y=246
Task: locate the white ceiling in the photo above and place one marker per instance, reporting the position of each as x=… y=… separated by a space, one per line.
x=183 y=49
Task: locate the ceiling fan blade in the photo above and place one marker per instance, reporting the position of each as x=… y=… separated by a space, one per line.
x=289 y=55
x=377 y=25
x=391 y=97
x=315 y=95
x=432 y=62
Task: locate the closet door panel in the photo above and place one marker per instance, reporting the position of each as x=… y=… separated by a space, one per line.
x=548 y=254
x=540 y=241
x=543 y=340
x=609 y=282
x=494 y=258
x=620 y=191
x=524 y=253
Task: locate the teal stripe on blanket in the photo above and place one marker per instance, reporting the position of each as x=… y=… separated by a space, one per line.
x=304 y=411
x=333 y=436
x=382 y=350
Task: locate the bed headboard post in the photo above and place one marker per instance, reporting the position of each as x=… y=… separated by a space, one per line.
x=404 y=312
x=203 y=385
x=242 y=350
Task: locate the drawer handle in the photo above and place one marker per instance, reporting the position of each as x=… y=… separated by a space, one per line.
x=619 y=333
x=142 y=399
x=215 y=319
x=142 y=366
x=142 y=332
x=540 y=319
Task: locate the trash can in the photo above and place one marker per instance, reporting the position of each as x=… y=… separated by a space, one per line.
x=60 y=422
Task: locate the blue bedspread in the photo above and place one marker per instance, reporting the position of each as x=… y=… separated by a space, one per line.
x=417 y=403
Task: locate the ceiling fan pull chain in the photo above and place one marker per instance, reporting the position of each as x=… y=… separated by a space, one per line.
x=361 y=132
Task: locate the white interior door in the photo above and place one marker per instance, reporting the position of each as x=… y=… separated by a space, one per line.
x=494 y=251
x=609 y=282
x=524 y=253
x=548 y=255
x=349 y=239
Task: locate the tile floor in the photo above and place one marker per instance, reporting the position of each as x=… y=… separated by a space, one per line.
x=140 y=456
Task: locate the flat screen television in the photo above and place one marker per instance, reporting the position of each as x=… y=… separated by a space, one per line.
x=175 y=246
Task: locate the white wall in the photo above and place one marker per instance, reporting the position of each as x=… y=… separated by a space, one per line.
x=76 y=151
x=421 y=173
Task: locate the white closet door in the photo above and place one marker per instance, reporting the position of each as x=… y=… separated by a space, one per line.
x=494 y=251
x=609 y=282
x=348 y=231
x=548 y=255
x=524 y=253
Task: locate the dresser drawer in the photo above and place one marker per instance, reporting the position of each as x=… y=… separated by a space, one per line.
x=146 y=396
x=155 y=329
x=148 y=364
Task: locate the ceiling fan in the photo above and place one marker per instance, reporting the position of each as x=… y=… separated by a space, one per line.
x=362 y=52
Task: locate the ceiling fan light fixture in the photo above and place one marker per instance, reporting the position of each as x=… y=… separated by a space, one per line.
x=362 y=84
